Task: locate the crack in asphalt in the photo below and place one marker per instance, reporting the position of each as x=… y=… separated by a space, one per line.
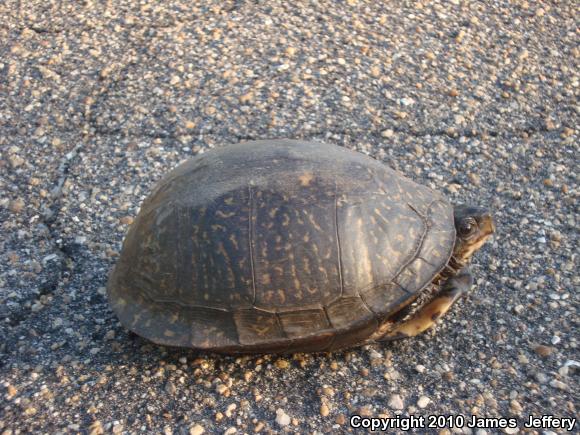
x=49 y=212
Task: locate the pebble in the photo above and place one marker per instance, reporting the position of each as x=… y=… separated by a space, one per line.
x=396 y=402
x=17 y=205
x=558 y=384
x=282 y=418
x=126 y=220
x=543 y=350
x=246 y=98
x=16 y=161
x=324 y=410
x=170 y=388
x=96 y=428
x=423 y=402
x=375 y=71
x=222 y=389
x=541 y=377
x=282 y=363
x=230 y=410
x=196 y=429
x=11 y=391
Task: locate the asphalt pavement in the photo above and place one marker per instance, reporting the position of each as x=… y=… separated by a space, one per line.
x=99 y=99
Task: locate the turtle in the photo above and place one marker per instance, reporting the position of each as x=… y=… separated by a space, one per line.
x=282 y=246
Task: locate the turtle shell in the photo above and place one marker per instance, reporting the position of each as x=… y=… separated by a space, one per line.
x=278 y=246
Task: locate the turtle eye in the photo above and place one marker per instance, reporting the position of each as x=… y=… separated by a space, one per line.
x=468 y=226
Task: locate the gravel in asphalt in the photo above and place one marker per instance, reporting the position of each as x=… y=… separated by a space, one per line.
x=98 y=100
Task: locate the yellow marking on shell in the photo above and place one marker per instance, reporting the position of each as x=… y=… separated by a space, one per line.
x=313 y=222
x=268 y=296
x=323 y=271
x=261 y=330
x=217 y=227
x=229 y=200
x=169 y=333
x=121 y=302
x=272 y=212
x=222 y=251
x=306 y=262
x=384 y=260
x=234 y=241
x=400 y=238
x=306 y=237
x=378 y=213
x=306 y=178
x=363 y=260
x=282 y=296
x=136 y=318
x=266 y=279
x=312 y=290
x=286 y=220
x=224 y=215
x=296 y=283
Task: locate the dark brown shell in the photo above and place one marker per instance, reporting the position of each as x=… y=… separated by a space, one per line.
x=278 y=246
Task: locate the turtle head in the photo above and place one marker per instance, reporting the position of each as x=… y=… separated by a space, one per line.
x=473 y=226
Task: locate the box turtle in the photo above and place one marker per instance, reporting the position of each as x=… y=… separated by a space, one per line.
x=291 y=246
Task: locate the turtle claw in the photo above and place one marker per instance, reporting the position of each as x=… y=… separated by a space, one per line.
x=428 y=315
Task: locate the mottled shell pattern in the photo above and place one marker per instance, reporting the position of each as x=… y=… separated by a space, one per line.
x=278 y=246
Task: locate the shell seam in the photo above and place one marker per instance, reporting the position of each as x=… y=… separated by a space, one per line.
x=251 y=242
x=339 y=248
x=419 y=244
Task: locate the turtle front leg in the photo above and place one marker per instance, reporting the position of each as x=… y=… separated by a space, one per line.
x=425 y=318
